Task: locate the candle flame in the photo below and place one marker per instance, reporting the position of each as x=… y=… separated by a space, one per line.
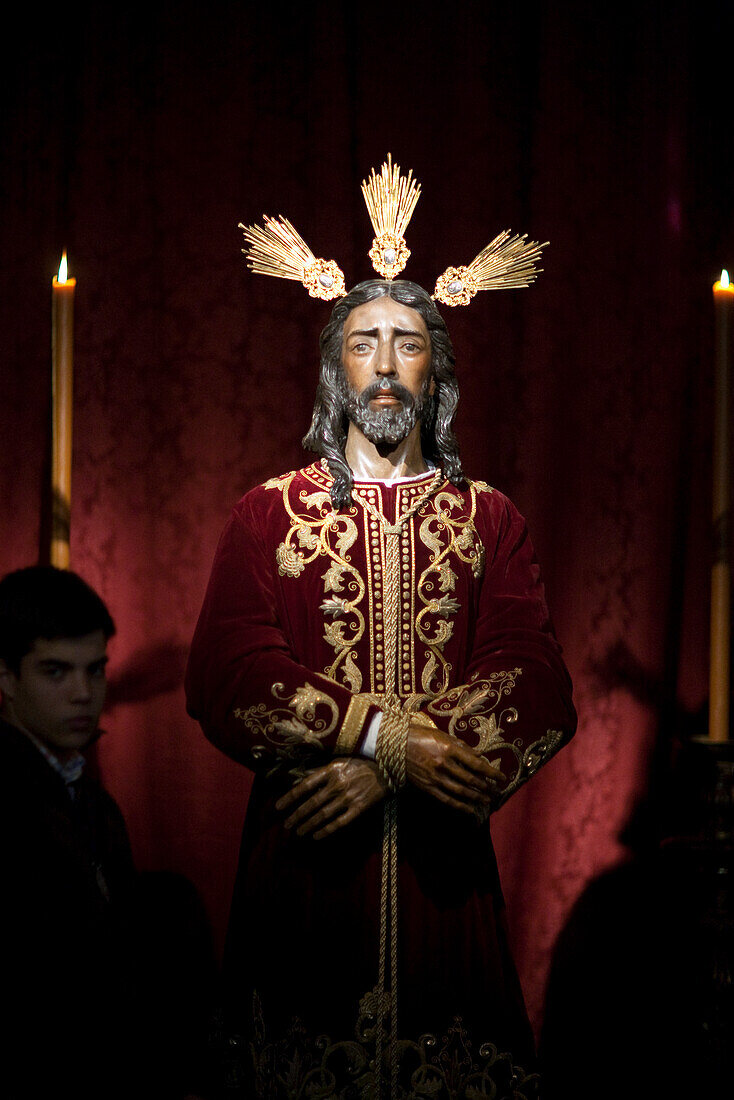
x=724 y=285
x=64 y=269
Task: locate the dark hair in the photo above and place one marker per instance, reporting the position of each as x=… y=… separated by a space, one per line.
x=42 y=601
x=327 y=435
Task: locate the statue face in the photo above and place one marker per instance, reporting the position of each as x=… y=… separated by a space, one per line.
x=387 y=381
x=384 y=343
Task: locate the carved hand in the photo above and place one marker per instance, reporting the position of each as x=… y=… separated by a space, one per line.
x=332 y=796
x=449 y=770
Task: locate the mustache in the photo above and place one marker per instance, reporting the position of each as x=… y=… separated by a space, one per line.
x=386 y=388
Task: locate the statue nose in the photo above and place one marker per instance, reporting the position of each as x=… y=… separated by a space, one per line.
x=386 y=363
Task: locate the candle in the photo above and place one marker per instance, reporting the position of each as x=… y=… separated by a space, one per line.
x=62 y=391
x=721 y=513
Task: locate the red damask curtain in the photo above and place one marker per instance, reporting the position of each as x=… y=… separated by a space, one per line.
x=137 y=139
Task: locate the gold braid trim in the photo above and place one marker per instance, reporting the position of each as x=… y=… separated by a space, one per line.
x=352 y=725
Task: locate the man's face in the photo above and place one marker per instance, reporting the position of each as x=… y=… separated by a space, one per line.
x=58 y=693
x=386 y=360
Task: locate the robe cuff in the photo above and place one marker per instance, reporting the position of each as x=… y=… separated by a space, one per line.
x=360 y=712
x=368 y=748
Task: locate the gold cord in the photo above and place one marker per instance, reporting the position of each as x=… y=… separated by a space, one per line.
x=391 y=758
x=392 y=748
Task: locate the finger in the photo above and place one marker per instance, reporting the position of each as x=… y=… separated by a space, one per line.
x=459 y=770
x=456 y=803
x=461 y=790
x=302 y=788
x=474 y=780
x=307 y=808
x=336 y=823
x=323 y=816
x=476 y=763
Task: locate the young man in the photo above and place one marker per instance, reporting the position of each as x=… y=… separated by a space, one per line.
x=68 y=874
x=54 y=631
x=98 y=965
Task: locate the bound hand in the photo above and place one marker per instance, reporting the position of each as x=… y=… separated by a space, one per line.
x=332 y=796
x=449 y=770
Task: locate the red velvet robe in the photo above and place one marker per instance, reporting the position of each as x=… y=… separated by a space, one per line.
x=287 y=657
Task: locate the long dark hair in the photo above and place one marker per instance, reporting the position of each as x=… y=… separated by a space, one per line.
x=327 y=435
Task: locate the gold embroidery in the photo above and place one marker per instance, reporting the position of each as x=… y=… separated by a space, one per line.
x=391 y=580
x=279 y=482
x=287 y=735
x=374 y=591
x=473 y=709
x=316 y=500
x=446 y=577
x=406 y=667
x=529 y=760
x=290 y=562
x=379 y=586
x=445 y=534
x=317 y=530
x=386 y=540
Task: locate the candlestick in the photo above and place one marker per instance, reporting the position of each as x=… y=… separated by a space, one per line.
x=62 y=394
x=719 y=665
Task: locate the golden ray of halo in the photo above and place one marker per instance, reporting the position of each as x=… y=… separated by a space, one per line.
x=506 y=262
x=278 y=249
x=390 y=199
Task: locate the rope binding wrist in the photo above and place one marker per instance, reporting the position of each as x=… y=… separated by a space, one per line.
x=391 y=750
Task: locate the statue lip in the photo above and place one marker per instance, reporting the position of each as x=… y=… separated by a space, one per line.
x=385 y=399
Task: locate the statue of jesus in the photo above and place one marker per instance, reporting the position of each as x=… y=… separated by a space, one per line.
x=375 y=645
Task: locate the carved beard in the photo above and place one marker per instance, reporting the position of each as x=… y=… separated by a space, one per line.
x=385 y=426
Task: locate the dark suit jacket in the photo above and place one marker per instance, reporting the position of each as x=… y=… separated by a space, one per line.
x=68 y=957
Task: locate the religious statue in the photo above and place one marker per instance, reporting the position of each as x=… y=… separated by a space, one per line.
x=375 y=645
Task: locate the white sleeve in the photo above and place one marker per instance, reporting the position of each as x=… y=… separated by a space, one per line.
x=370 y=741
